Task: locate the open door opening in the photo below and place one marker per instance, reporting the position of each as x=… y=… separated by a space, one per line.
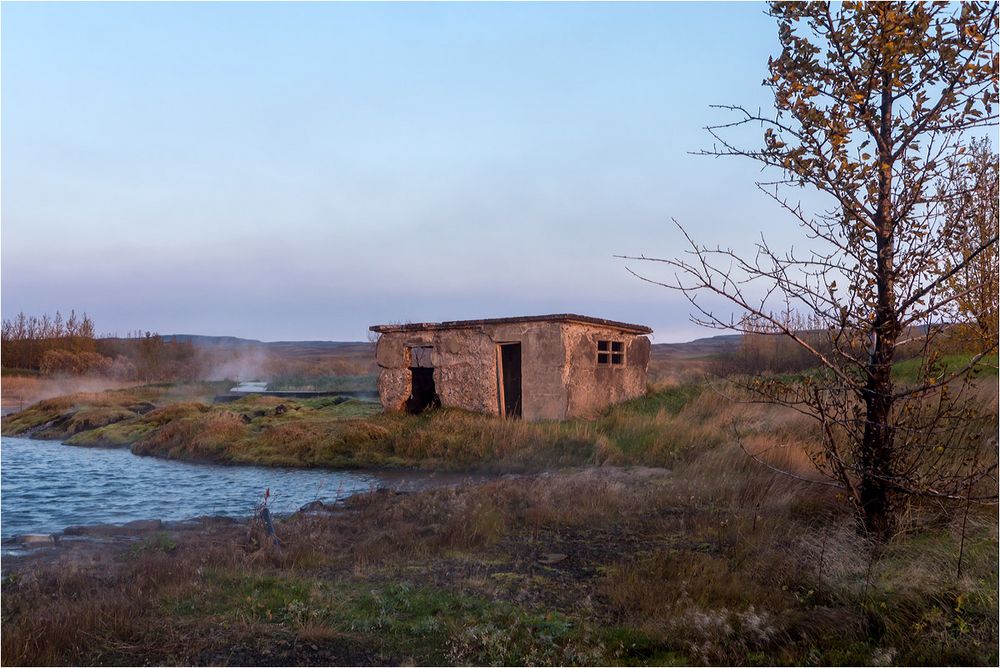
x=423 y=394
x=510 y=379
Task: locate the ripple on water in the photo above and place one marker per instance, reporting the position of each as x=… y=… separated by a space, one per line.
x=48 y=486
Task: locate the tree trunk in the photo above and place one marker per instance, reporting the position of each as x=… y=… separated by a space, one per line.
x=877 y=445
x=876 y=465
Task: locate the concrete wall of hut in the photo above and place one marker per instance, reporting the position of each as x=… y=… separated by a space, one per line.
x=543 y=357
x=592 y=387
x=560 y=376
x=465 y=373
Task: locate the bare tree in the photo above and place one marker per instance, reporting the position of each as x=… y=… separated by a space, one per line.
x=874 y=107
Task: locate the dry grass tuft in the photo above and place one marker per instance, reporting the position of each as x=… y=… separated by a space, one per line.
x=199 y=435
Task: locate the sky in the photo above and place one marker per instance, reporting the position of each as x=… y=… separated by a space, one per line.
x=302 y=171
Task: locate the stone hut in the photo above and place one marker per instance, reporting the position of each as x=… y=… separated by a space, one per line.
x=546 y=367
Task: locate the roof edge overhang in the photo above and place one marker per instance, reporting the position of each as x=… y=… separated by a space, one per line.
x=555 y=317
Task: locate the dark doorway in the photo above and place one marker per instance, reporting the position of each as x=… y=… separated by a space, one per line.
x=423 y=395
x=510 y=379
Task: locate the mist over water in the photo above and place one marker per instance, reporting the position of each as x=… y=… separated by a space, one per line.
x=245 y=364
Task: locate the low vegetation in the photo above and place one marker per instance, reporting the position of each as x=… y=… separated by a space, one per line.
x=325 y=383
x=64 y=416
x=180 y=422
x=643 y=537
x=336 y=432
x=719 y=561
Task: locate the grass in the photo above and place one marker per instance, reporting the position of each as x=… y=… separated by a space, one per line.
x=62 y=417
x=912 y=371
x=656 y=430
x=643 y=537
x=418 y=623
x=716 y=562
x=325 y=383
x=908 y=372
x=662 y=429
x=23 y=388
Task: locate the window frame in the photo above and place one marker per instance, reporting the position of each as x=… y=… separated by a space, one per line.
x=610 y=352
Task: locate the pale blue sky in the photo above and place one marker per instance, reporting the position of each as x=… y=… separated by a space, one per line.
x=300 y=171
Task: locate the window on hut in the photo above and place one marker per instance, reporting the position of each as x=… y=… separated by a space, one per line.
x=611 y=352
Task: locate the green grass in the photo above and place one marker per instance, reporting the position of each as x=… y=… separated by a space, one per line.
x=56 y=420
x=160 y=541
x=913 y=370
x=117 y=435
x=329 y=383
x=349 y=408
x=671 y=400
x=907 y=372
x=437 y=624
x=418 y=623
x=227 y=595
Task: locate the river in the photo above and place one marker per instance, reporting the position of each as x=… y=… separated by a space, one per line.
x=47 y=486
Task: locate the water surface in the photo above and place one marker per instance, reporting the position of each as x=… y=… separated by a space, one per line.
x=250 y=386
x=46 y=486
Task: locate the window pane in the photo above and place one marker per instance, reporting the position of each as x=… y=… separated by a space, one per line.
x=617 y=346
x=602 y=358
x=602 y=345
x=617 y=358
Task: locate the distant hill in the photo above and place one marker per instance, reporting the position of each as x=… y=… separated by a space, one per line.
x=675 y=352
x=296 y=364
x=220 y=341
x=708 y=347
x=288 y=346
x=234 y=357
x=698 y=348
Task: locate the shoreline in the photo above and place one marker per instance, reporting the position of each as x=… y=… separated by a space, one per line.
x=384 y=479
x=485 y=471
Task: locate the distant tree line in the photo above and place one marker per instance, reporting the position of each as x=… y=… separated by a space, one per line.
x=54 y=345
x=763 y=351
x=45 y=342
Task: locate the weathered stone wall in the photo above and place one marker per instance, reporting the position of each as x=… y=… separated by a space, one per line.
x=590 y=386
x=465 y=368
x=464 y=362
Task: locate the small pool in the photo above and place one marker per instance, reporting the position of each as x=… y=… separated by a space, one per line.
x=250 y=387
x=46 y=486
